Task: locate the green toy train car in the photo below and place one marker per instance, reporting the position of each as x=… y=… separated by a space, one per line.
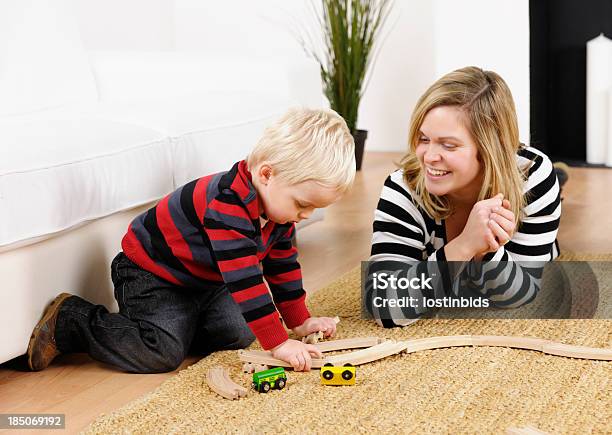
x=265 y=380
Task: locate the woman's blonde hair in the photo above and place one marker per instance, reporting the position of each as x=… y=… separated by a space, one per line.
x=486 y=101
x=308 y=144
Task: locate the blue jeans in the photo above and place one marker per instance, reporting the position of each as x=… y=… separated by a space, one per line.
x=158 y=323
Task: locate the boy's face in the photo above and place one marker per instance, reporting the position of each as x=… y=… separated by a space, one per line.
x=282 y=202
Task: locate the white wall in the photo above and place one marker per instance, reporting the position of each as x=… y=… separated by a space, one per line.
x=267 y=28
x=403 y=70
x=126 y=24
x=473 y=32
x=262 y=28
x=428 y=39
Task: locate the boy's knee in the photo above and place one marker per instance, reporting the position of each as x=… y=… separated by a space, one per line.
x=245 y=341
x=160 y=365
x=236 y=337
x=162 y=360
x=172 y=361
x=239 y=338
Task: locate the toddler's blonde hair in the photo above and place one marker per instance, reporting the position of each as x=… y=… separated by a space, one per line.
x=308 y=144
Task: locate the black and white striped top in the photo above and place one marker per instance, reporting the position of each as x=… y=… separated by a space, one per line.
x=403 y=231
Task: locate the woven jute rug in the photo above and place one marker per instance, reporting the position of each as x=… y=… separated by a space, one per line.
x=453 y=390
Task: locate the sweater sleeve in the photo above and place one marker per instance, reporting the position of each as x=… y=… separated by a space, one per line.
x=284 y=277
x=399 y=247
x=511 y=276
x=231 y=235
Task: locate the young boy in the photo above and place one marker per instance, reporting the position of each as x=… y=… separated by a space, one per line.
x=191 y=273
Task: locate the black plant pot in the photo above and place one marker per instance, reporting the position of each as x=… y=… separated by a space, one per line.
x=360 y=137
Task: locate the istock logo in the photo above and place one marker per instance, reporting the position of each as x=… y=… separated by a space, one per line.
x=384 y=281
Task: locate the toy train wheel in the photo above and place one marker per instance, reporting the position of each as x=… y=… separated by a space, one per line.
x=347 y=375
x=280 y=383
x=327 y=375
x=265 y=387
x=254 y=385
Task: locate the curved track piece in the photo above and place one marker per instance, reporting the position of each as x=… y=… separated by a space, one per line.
x=219 y=381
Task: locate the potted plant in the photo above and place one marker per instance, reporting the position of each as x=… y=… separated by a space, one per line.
x=350 y=31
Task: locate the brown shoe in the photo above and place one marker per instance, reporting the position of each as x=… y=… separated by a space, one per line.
x=42 y=348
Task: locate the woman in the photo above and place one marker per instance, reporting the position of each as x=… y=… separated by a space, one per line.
x=467 y=191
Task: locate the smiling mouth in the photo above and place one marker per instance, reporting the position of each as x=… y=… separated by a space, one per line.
x=436 y=172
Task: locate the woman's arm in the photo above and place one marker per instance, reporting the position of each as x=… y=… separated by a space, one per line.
x=511 y=276
x=399 y=248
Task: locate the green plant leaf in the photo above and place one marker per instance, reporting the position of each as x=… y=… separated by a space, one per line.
x=350 y=31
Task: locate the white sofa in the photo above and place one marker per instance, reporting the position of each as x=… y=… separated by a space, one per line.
x=75 y=171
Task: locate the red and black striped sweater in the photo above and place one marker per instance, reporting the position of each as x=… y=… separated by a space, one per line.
x=207 y=234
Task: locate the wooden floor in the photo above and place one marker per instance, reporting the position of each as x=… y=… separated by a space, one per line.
x=82 y=389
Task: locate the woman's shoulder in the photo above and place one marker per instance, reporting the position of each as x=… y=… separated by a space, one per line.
x=396 y=182
x=398 y=200
x=536 y=165
x=399 y=204
x=541 y=187
x=530 y=158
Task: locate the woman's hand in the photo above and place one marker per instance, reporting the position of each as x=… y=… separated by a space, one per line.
x=296 y=353
x=490 y=225
x=502 y=223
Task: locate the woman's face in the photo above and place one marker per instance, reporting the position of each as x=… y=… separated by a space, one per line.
x=449 y=156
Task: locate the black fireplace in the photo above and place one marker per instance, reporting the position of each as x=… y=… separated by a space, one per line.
x=559 y=31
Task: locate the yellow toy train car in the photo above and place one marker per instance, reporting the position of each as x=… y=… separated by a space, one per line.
x=344 y=375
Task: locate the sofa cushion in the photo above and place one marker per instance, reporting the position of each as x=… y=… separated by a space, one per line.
x=70 y=169
x=209 y=131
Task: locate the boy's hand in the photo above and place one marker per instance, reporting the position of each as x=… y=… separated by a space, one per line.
x=316 y=324
x=297 y=354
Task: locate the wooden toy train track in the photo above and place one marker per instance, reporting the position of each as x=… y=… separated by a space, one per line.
x=376 y=349
x=219 y=381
